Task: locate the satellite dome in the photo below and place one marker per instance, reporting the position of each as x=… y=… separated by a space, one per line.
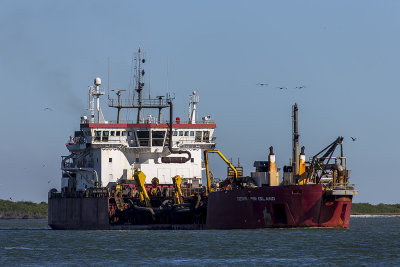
x=97 y=81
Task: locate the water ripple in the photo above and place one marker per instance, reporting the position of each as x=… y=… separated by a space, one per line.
x=368 y=242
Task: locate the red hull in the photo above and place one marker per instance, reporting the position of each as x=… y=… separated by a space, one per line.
x=262 y=207
x=280 y=206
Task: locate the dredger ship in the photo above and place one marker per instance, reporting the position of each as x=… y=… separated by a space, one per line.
x=148 y=174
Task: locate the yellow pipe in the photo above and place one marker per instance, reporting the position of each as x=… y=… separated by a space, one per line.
x=207 y=169
x=207 y=172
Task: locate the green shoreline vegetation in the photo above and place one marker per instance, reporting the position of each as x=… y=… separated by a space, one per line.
x=22 y=210
x=379 y=209
x=31 y=210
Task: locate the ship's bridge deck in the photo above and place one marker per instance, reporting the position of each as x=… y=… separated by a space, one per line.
x=144 y=135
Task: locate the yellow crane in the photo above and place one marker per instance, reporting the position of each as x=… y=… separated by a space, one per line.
x=178 y=196
x=140 y=178
x=207 y=169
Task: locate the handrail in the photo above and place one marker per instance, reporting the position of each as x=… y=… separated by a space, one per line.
x=132 y=103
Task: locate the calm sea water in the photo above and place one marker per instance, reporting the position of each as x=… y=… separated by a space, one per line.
x=369 y=242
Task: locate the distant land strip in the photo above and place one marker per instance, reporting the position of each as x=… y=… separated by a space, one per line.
x=30 y=210
x=22 y=210
x=379 y=209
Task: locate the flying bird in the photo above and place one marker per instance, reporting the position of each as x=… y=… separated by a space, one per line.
x=300 y=87
x=353 y=138
x=281 y=87
x=48 y=182
x=262 y=84
x=49 y=109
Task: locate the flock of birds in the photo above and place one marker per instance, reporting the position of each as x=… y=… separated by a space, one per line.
x=282 y=87
x=297 y=87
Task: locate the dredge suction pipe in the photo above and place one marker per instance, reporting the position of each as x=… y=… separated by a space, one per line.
x=174 y=159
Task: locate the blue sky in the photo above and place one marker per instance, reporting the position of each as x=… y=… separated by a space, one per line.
x=345 y=53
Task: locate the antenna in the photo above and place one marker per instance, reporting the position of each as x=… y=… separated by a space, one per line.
x=167 y=76
x=140 y=84
x=108 y=77
x=149 y=87
x=141 y=102
x=118 y=93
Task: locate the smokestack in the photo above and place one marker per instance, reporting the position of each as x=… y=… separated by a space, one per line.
x=295 y=145
x=273 y=174
x=302 y=168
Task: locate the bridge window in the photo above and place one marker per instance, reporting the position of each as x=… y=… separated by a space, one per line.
x=112 y=133
x=198 y=136
x=157 y=138
x=191 y=133
x=105 y=135
x=186 y=133
x=143 y=137
x=175 y=133
x=118 y=133
x=129 y=133
x=97 y=136
x=206 y=136
x=180 y=133
x=123 y=133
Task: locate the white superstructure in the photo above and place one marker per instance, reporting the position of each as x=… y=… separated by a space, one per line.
x=106 y=152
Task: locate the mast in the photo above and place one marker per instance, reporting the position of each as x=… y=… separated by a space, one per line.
x=118 y=93
x=193 y=101
x=160 y=97
x=95 y=91
x=147 y=103
x=140 y=85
